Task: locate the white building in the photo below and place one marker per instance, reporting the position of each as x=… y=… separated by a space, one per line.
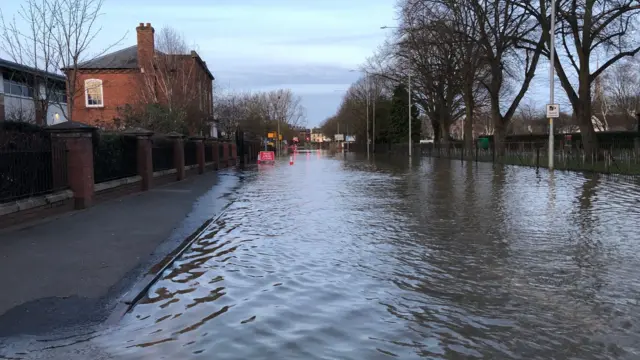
x=18 y=99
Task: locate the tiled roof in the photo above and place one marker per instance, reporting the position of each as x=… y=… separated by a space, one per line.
x=126 y=58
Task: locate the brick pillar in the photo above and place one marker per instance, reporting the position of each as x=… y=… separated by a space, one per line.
x=145 y=156
x=78 y=143
x=178 y=154
x=215 y=155
x=226 y=155
x=234 y=153
x=223 y=155
x=199 y=152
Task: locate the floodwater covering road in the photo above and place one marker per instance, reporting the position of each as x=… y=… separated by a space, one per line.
x=336 y=258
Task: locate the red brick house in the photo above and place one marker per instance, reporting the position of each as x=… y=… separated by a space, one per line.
x=139 y=75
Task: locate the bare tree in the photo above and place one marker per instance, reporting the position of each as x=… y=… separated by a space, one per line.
x=585 y=28
x=622 y=89
x=259 y=113
x=509 y=41
x=33 y=46
x=73 y=30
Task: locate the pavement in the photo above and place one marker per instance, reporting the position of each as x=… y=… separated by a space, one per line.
x=71 y=271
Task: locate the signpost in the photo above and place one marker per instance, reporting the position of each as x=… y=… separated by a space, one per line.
x=338 y=137
x=553 y=111
x=266 y=157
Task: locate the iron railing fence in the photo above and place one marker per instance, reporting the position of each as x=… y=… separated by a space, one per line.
x=190 y=152
x=114 y=157
x=162 y=154
x=31 y=164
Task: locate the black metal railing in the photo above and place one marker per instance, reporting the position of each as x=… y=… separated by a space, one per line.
x=190 y=153
x=115 y=156
x=611 y=158
x=221 y=150
x=162 y=153
x=30 y=165
x=208 y=152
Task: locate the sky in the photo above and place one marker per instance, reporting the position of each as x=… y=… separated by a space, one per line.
x=308 y=46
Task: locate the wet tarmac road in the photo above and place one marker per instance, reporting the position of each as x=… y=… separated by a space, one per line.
x=338 y=258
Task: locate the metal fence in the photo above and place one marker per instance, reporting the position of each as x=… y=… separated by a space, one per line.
x=208 y=152
x=115 y=156
x=30 y=165
x=610 y=158
x=190 y=153
x=221 y=150
x=162 y=153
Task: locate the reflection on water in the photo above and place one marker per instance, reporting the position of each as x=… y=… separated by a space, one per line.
x=342 y=258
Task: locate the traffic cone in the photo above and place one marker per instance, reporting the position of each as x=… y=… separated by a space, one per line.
x=290 y=160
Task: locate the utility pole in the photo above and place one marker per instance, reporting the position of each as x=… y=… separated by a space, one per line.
x=278 y=144
x=409 y=86
x=552 y=33
x=368 y=92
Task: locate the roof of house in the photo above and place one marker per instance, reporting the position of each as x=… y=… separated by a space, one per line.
x=127 y=58
x=23 y=68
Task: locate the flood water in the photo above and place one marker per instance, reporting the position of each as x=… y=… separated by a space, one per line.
x=336 y=258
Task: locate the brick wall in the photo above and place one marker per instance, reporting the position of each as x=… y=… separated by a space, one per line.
x=164 y=179
x=146 y=47
x=119 y=87
x=36 y=213
x=116 y=192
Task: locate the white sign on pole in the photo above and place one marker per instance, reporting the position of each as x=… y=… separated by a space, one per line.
x=338 y=137
x=553 y=111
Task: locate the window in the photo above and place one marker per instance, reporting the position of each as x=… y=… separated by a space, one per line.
x=93 y=93
x=17 y=89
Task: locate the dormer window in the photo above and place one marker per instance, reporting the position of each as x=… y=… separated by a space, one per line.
x=93 y=93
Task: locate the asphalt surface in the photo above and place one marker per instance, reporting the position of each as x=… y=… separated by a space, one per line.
x=70 y=271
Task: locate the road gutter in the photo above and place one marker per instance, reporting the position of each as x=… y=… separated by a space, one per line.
x=141 y=288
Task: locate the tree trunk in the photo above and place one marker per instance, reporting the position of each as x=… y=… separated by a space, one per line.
x=499 y=135
x=468 y=124
x=444 y=133
x=583 y=111
x=588 y=134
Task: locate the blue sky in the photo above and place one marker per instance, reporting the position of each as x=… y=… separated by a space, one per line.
x=308 y=46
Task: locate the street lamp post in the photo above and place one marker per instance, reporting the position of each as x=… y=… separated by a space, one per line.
x=409 y=86
x=552 y=33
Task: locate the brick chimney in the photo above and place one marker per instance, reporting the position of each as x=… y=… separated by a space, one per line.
x=146 y=47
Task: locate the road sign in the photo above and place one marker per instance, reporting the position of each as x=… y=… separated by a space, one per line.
x=338 y=137
x=266 y=156
x=295 y=139
x=271 y=135
x=351 y=138
x=553 y=111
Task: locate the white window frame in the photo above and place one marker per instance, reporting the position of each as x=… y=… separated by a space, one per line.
x=86 y=94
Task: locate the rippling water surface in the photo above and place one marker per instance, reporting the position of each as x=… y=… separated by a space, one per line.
x=350 y=259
